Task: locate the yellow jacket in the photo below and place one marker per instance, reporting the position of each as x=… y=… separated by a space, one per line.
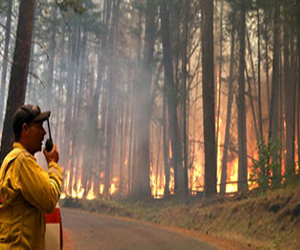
x=27 y=192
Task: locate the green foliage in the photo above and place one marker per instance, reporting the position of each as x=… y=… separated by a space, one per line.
x=291 y=178
x=264 y=4
x=266 y=170
x=290 y=11
x=85 y=13
x=3 y=7
x=76 y=5
x=139 y=6
x=237 y=5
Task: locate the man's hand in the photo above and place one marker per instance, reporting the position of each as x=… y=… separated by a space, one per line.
x=52 y=155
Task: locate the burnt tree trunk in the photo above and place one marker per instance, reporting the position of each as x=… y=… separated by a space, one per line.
x=289 y=103
x=102 y=67
x=19 y=71
x=242 y=169
x=67 y=150
x=298 y=85
x=171 y=100
x=50 y=67
x=210 y=179
x=228 y=117
x=166 y=146
x=260 y=120
x=266 y=38
x=219 y=84
x=141 y=185
x=5 y=58
x=59 y=110
x=186 y=8
x=274 y=102
x=132 y=154
x=111 y=98
x=96 y=148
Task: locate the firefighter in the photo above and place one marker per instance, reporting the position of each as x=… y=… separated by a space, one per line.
x=26 y=189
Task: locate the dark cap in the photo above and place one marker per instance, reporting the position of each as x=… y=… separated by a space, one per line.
x=27 y=114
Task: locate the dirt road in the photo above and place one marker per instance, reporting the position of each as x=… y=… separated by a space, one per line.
x=90 y=231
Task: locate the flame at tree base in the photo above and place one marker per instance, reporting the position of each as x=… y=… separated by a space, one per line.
x=78 y=191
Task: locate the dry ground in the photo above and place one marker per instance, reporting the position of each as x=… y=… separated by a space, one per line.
x=246 y=221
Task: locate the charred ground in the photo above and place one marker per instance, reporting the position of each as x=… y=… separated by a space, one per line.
x=247 y=220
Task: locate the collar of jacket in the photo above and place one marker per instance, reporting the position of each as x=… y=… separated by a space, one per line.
x=20 y=146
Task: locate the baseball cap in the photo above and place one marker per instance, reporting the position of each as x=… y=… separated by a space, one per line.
x=26 y=114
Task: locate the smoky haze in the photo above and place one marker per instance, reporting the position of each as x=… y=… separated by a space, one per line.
x=116 y=92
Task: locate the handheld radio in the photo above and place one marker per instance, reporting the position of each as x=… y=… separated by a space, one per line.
x=49 y=142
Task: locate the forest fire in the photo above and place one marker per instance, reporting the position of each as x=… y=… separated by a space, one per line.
x=73 y=187
x=113 y=186
x=78 y=191
x=121 y=157
x=174 y=100
x=91 y=195
x=157 y=184
x=197 y=179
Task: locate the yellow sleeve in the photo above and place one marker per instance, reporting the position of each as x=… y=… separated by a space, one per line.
x=39 y=188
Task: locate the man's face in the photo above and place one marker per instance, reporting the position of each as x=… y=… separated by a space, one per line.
x=35 y=134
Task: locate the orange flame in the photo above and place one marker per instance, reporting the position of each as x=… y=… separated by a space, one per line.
x=172 y=182
x=91 y=195
x=157 y=185
x=114 y=186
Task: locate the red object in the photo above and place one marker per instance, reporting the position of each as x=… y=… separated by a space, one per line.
x=55 y=217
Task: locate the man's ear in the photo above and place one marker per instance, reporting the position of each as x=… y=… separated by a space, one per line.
x=25 y=127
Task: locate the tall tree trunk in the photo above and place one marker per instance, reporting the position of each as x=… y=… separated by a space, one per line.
x=131 y=144
x=19 y=71
x=175 y=15
x=298 y=86
x=144 y=109
x=274 y=102
x=79 y=122
x=50 y=66
x=5 y=59
x=252 y=104
x=133 y=131
x=59 y=138
x=166 y=145
x=219 y=84
x=101 y=64
x=109 y=131
x=111 y=98
x=249 y=81
x=123 y=132
x=141 y=185
x=228 y=118
x=101 y=80
x=127 y=123
x=171 y=100
x=266 y=36
x=279 y=116
x=185 y=91
x=289 y=103
x=260 y=122
x=68 y=129
x=98 y=139
x=242 y=171
x=30 y=88
x=210 y=180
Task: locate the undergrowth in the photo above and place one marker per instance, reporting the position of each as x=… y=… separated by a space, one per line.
x=268 y=221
